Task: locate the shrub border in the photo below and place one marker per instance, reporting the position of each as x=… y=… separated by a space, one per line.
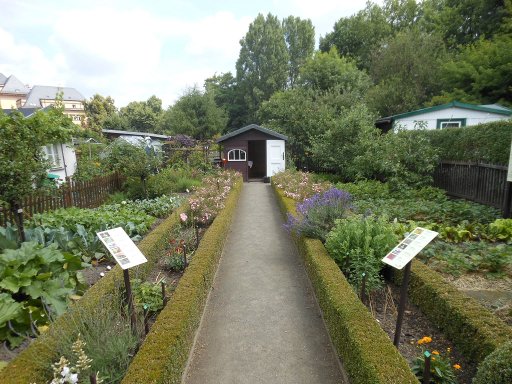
x=164 y=353
x=365 y=350
x=32 y=363
x=471 y=327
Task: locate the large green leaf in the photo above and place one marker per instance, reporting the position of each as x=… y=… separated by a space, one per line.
x=9 y=309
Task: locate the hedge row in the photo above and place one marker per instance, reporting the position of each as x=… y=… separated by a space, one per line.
x=365 y=350
x=488 y=143
x=472 y=328
x=32 y=364
x=163 y=355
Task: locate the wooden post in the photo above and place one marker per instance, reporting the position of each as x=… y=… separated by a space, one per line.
x=164 y=296
x=507 y=202
x=403 y=303
x=363 y=289
x=18 y=212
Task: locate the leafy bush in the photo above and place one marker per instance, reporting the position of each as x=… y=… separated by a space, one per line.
x=366 y=189
x=497 y=367
x=501 y=229
x=358 y=244
x=148 y=295
x=158 y=207
x=174 y=179
x=109 y=340
x=35 y=285
x=488 y=142
x=316 y=215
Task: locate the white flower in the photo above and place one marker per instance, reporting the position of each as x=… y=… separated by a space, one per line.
x=123 y=202
x=65 y=371
x=187 y=190
x=102 y=274
x=109 y=267
x=74 y=378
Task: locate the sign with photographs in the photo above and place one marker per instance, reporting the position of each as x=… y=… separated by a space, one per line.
x=123 y=249
x=409 y=247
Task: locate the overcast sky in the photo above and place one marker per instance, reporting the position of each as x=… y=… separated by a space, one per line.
x=131 y=49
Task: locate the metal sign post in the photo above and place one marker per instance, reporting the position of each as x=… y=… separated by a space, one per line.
x=401 y=256
x=127 y=255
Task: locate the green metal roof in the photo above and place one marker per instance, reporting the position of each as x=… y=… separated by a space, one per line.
x=489 y=108
x=248 y=128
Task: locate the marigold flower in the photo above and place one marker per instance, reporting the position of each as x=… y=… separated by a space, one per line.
x=457 y=366
x=425 y=340
x=435 y=352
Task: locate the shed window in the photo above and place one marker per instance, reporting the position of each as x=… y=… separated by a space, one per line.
x=450 y=123
x=237 y=155
x=52 y=155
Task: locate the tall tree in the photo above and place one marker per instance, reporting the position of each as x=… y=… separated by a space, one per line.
x=262 y=66
x=22 y=162
x=97 y=110
x=300 y=40
x=406 y=72
x=358 y=35
x=143 y=116
x=224 y=89
x=465 y=22
x=481 y=73
x=328 y=71
x=196 y=114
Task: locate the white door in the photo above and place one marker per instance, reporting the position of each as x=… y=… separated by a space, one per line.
x=275 y=156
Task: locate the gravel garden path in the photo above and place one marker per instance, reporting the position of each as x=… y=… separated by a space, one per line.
x=261 y=323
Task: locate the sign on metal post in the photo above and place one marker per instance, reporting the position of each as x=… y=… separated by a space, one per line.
x=509 y=174
x=401 y=256
x=127 y=255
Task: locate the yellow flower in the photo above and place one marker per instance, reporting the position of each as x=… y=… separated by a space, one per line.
x=435 y=352
x=457 y=366
x=448 y=349
x=424 y=340
x=433 y=359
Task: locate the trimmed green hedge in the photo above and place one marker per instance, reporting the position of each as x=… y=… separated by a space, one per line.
x=473 y=329
x=489 y=143
x=31 y=364
x=163 y=355
x=366 y=351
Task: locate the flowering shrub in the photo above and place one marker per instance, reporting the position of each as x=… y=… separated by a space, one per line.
x=64 y=372
x=441 y=369
x=318 y=213
x=209 y=199
x=298 y=185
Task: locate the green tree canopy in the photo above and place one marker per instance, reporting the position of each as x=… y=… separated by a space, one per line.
x=142 y=116
x=224 y=89
x=406 y=72
x=328 y=71
x=262 y=66
x=97 y=110
x=480 y=73
x=196 y=114
x=300 y=40
x=22 y=161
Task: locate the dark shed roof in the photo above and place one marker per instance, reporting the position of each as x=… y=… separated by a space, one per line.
x=250 y=127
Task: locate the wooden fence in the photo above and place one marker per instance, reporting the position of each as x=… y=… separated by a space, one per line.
x=482 y=183
x=81 y=194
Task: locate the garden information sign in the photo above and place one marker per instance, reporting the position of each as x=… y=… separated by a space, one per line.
x=409 y=247
x=122 y=248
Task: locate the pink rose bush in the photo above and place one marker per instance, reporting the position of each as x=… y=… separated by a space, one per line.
x=299 y=185
x=209 y=199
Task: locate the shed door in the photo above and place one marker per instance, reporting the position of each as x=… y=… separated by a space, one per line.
x=275 y=156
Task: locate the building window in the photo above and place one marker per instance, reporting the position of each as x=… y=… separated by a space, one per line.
x=77 y=118
x=237 y=155
x=52 y=155
x=450 y=123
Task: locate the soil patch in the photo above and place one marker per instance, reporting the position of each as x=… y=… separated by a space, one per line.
x=384 y=307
